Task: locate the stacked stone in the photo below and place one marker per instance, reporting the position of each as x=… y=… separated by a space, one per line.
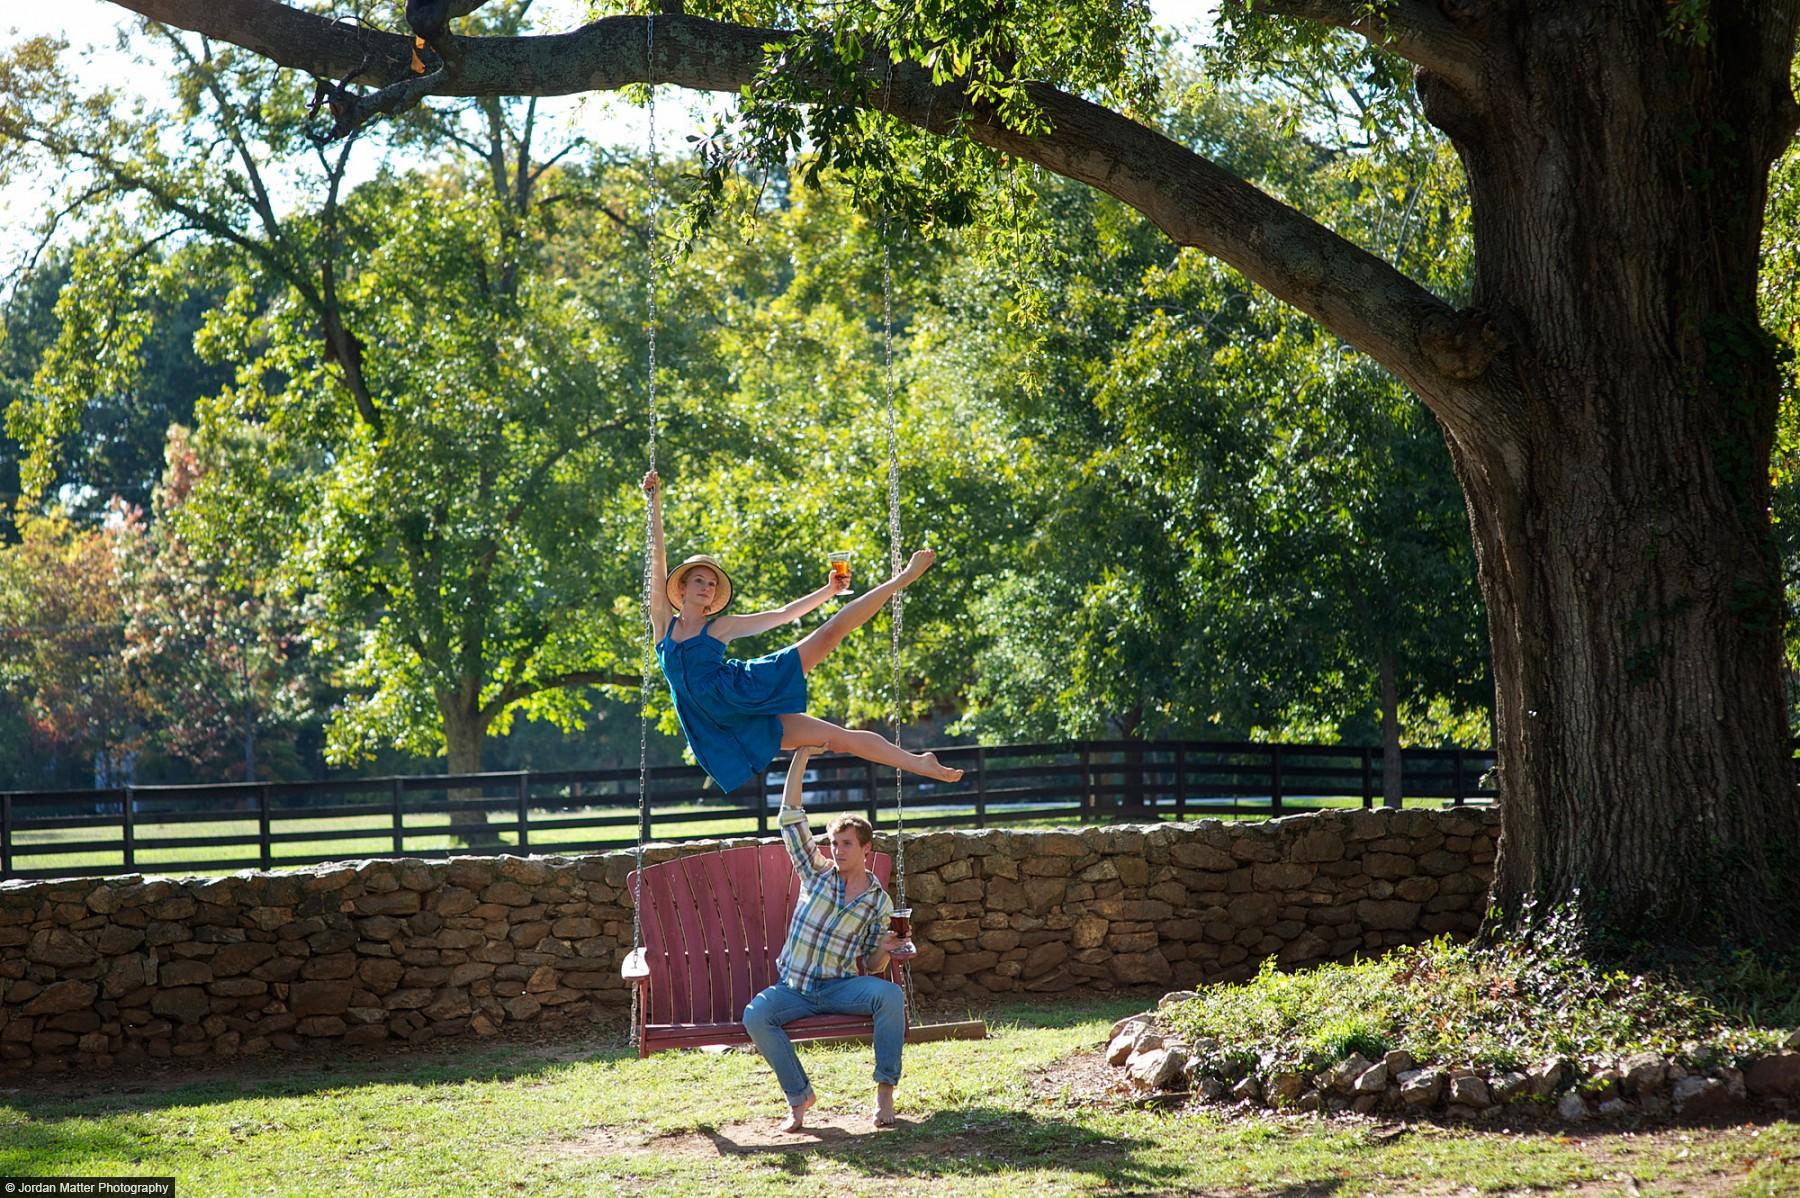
x=1643 y=1084
x=1101 y=908
x=132 y=968
x=97 y=971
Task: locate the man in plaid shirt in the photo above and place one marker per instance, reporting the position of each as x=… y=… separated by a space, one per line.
x=840 y=922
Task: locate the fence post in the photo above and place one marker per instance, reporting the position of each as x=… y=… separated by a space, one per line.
x=1087 y=781
x=644 y=810
x=1456 y=787
x=1368 y=763
x=524 y=799
x=980 y=786
x=1180 y=785
x=1274 y=779
x=874 y=794
x=6 y=850
x=262 y=826
x=130 y=848
x=762 y=800
x=399 y=820
x=1140 y=783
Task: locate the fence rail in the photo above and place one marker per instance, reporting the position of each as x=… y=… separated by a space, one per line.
x=276 y=824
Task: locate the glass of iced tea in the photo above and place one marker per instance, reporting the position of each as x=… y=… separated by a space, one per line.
x=840 y=568
x=900 y=924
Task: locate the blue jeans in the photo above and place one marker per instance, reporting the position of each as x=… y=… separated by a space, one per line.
x=781 y=1004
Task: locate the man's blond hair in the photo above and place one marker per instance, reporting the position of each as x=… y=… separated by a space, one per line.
x=865 y=832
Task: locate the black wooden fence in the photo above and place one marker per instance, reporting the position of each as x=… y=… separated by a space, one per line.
x=231 y=826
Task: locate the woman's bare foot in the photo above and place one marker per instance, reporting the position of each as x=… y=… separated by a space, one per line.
x=796 y=1119
x=921 y=562
x=940 y=771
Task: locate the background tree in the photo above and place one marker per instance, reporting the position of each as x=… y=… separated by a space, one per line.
x=1244 y=526
x=61 y=635
x=418 y=429
x=221 y=670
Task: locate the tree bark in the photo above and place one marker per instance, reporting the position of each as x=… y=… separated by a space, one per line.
x=1619 y=498
x=465 y=732
x=1609 y=400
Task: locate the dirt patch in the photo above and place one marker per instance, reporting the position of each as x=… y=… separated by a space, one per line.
x=1081 y=1079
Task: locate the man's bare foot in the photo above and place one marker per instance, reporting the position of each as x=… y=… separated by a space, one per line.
x=921 y=562
x=937 y=769
x=796 y=1119
x=884 y=1105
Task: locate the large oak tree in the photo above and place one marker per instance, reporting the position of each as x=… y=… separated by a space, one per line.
x=1608 y=398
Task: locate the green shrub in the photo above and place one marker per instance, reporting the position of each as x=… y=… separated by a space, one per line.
x=1504 y=1005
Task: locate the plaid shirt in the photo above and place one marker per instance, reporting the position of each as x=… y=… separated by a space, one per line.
x=827 y=938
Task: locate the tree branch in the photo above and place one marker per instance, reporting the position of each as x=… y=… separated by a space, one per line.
x=46 y=235
x=1197 y=203
x=342 y=345
x=1417 y=30
x=227 y=115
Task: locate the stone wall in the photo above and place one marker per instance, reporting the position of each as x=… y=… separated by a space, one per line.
x=101 y=971
x=1189 y=903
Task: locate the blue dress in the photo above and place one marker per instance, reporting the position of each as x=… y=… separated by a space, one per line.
x=729 y=709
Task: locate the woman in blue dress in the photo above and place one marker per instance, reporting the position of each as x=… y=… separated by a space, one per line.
x=738 y=714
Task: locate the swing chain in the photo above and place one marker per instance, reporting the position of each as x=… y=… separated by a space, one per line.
x=899 y=599
x=649 y=657
x=894 y=546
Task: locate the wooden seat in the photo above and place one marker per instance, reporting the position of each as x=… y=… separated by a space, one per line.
x=713 y=924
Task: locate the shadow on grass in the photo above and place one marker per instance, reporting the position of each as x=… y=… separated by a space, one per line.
x=441 y=1062
x=972 y=1141
x=444 y=1063
x=46 y=1148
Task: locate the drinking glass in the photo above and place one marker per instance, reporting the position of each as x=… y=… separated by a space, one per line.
x=840 y=567
x=900 y=923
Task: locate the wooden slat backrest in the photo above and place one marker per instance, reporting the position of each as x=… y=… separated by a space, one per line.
x=662 y=944
x=713 y=925
x=778 y=878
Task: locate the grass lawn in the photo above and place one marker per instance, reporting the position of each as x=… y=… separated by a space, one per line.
x=1018 y=1114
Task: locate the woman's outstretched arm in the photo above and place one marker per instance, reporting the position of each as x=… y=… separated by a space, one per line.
x=660 y=611
x=726 y=627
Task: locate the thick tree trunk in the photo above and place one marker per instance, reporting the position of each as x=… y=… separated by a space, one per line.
x=1391 y=769
x=1620 y=502
x=464 y=734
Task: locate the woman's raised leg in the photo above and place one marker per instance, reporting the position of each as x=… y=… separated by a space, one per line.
x=859 y=611
x=800 y=730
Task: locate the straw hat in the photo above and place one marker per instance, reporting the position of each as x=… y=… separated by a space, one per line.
x=679 y=575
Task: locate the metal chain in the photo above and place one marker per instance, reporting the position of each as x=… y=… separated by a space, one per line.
x=650 y=580
x=894 y=549
x=899 y=599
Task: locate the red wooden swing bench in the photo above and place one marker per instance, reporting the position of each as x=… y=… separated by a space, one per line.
x=713 y=924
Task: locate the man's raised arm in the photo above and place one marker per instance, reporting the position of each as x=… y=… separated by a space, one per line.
x=808 y=861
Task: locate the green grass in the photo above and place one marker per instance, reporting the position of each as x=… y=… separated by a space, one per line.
x=427 y=832
x=592 y=1119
